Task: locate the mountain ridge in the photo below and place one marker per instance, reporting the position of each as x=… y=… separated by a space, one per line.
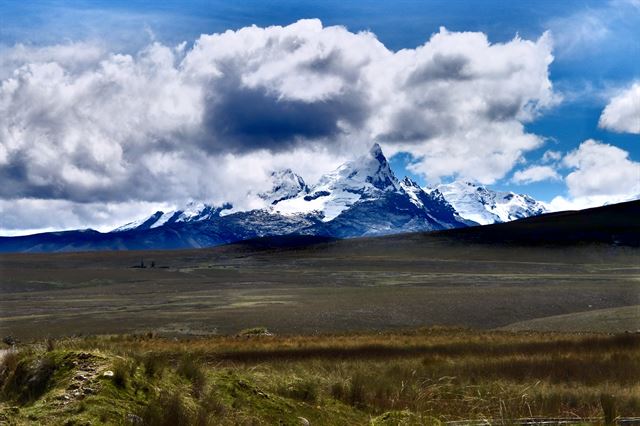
x=485 y=206
x=362 y=197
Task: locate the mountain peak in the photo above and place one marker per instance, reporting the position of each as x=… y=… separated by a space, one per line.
x=285 y=185
x=376 y=151
x=368 y=177
x=408 y=182
x=373 y=168
x=484 y=206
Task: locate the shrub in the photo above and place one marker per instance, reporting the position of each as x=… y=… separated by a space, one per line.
x=9 y=340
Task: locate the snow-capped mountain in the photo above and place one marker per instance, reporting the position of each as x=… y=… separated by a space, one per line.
x=360 y=198
x=364 y=197
x=485 y=206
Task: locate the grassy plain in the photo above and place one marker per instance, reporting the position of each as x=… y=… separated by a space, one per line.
x=364 y=284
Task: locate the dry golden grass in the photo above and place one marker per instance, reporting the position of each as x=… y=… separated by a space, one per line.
x=437 y=373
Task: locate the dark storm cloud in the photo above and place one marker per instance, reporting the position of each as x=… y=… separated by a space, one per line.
x=239 y=119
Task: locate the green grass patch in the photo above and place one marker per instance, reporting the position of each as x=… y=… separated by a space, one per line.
x=426 y=376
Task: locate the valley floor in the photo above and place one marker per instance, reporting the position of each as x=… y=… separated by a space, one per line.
x=387 y=283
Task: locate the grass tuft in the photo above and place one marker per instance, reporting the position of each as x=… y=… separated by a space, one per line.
x=608 y=404
x=153 y=364
x=191 y=370
x=306 y=390
x=123 y=370
x=27 y=378
x=168 y=409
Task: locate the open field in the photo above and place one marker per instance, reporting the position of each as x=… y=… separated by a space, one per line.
x=104 y=342
x=394 y=282
x=424 y=376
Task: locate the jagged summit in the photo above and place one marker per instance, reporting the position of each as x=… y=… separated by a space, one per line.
x=363 y=178
x=369 y=170
x=383 y=177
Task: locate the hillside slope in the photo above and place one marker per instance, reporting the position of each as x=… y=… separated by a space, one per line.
x=617 y=224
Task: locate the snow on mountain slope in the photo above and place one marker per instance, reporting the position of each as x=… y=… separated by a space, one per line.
x=485 y=206
x=286 y=185
x=367 y=177
x=144 y=223
x=434 y=203
x=413 y=190
x=192 y=212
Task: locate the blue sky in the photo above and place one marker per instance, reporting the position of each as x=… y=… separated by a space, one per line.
x=596 y=47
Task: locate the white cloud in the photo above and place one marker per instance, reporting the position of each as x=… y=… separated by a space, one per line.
x=586 y=27
x=81 y=124
x=70 y=55
x=601 y=169
x=551 y=156
x=622 y=113
x=602 y=173
x=535 y=174
x=23 y=216
x=561 y=203
x=592 y=28
x=449 y=114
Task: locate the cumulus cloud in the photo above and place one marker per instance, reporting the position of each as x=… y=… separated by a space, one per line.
x=622 y=113
x=601 y=173
x=463 y=102
x=81 y=124
x=535 y=174
x=601 y=169
x=73 y=56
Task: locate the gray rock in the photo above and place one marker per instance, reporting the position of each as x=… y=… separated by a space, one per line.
x=134 y=419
